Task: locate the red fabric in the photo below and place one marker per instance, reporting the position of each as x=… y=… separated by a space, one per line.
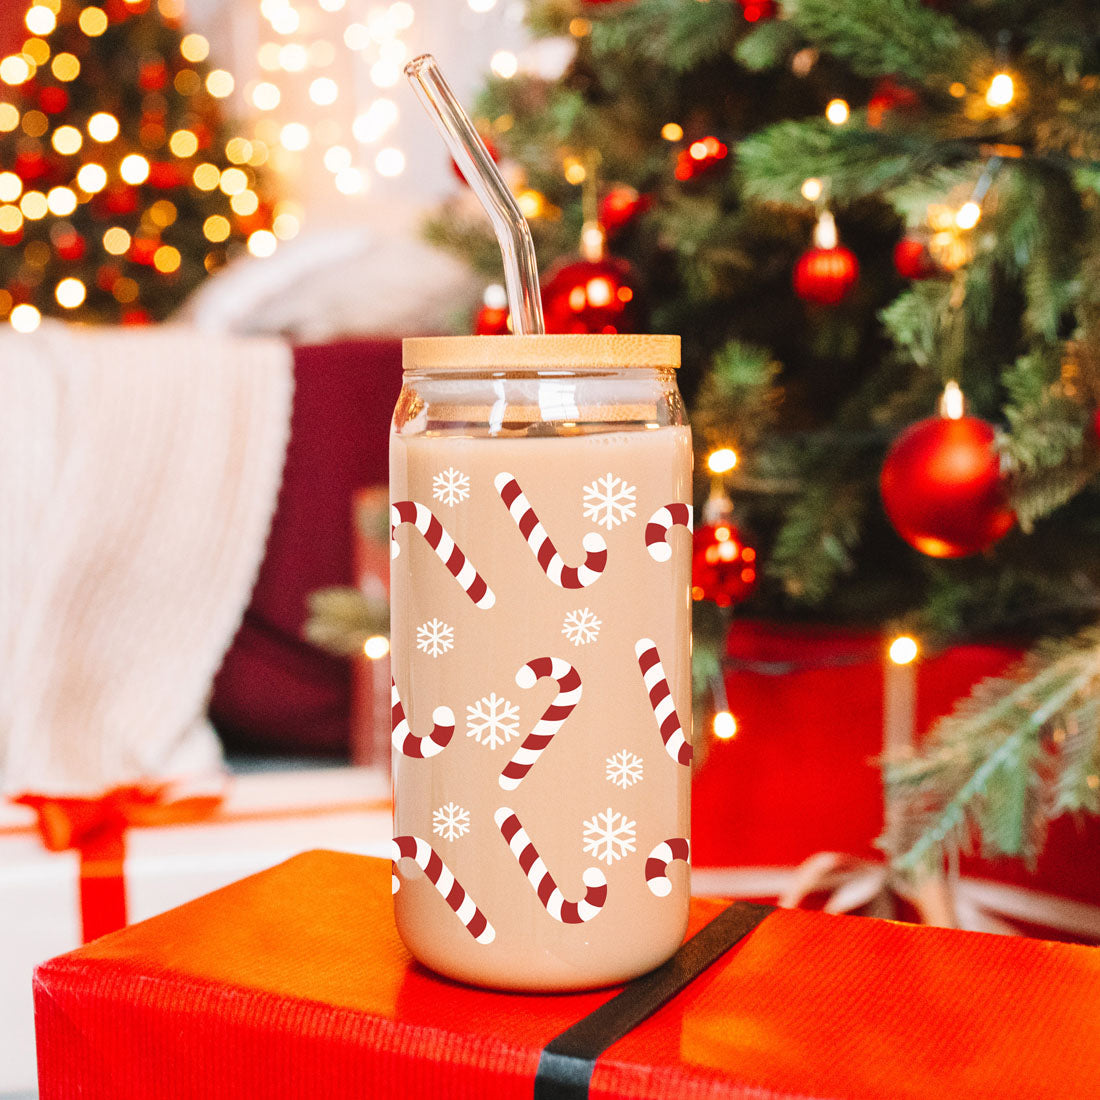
x=294 y=984
x=801 y=774
x=274 y=690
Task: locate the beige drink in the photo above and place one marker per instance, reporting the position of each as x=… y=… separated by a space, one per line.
x=540 y=767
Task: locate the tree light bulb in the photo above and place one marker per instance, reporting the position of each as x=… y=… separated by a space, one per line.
x=376 y=647
x=811 y=189
x=103 y=127
x=904 y=650
x=134 y=169
x=722 y=461
x=70 y=293
x=672 y=131
x=1002 y=90
x=825 y=234
x=724 y=725
x=968 y=215
x=25 y=318
x=952 y=402
x=837 y=111
x=504 y=63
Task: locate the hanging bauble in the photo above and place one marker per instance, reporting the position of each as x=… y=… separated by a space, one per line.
x=620 y=206
x=591 y=296
x=700 y=158
x=492 y=318
x=723 y=566
x=889 y=96
x=825 y=273
x=912 y=260
x=942 y=487
x=755 y=10
x=53 y=99
x=494 y=152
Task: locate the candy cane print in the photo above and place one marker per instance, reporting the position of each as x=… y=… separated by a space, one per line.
x=427 y=859
x=564 y=576
x=568 y=912
x=568 y=696
x=406 y=742
x=660 y=699
x=424 y=520
x=656 y=865
x=659 y=525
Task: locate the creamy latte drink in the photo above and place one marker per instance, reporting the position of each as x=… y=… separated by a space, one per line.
x=540 y=640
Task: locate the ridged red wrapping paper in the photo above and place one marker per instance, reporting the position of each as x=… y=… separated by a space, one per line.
x=293 y=983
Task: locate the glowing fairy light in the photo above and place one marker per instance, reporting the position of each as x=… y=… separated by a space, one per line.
x=61 y=201
x=92 y=177
x=134 y=169
x=376 y=647
x=837 y=111
x=24 y=318
x=812 y=189
x=968 y=215
x=70 y=293
x=724 y=725
x=952 y=401
x=504 y=63
x=103 y=127
x=1002 y=91
x=904 y=650
x=390 y=162
x=262 y=243
x=722 y=461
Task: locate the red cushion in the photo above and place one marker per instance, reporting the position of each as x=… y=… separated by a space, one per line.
x=275 y=691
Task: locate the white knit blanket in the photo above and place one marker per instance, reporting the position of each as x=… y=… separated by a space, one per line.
x=138 y=475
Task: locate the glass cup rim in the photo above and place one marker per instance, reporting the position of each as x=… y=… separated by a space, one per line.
x=551 y=352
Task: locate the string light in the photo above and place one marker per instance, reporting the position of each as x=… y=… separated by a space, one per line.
x=286 y=226
x=724 y=725
x=350 y=181
x=837 y=111
x=968 y=215
x=37 y=49
x=904 y=650
x=952 y=402
x=262 y=243
x=33 y=205
x=24 y=318
x=375 y=121
x=15 y=69
x=70 y=293
x=220 y=83
x=194 y=47
x=166 y=259
x=245 y=203
x=504 y=64
x=390 y=162
x=575 y=171
x=11 y=219
x=134 y=169
x=672 y=131
x=183 y=143
x=811 y=189
x=40 y=20
x=67 y=140
x=91 y=178
x=206 y=176
x=103 y=127
x=92 y=21
x=11 y=187
x=324 y=91
x=1001 y=91
x=238 y=150
x=61 y=201
x=266 y=96
x=116 y=241
x=233 y=181
x=337 y=158
x=722 y=461
x=216 y=228
x=65 y=67
x=294 y=137
x=9 y=118
x=957 y=89
x=376 y=647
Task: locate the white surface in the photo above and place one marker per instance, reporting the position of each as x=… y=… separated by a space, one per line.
x=165 y=867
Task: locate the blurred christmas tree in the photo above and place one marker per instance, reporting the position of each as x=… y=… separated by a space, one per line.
x=851 y=210
x=121 y=184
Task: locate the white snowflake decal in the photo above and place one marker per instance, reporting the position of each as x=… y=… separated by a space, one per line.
x=492 y=720
x=451 y=821
x=609 y=501
x=450 y=487
x=581 y=626
x=434 y=637
x=609 y=836
x=624 y=769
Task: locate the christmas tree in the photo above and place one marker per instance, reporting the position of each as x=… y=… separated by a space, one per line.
x=122 y=185
x=874 y=222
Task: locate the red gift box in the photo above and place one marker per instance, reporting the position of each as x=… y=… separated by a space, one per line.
x=294 y=983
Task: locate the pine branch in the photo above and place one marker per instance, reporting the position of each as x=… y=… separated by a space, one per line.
x=677 y=35
x=984 y=766
x=904 y=37
x=340 y=620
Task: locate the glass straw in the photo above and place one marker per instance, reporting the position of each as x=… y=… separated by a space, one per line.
x=521 y=273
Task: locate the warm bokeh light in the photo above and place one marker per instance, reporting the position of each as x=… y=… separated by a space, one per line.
x=163 y=213
x=376 y=647
x=34 y=205
x=220 y=83
x=724 y=725
x=134 y=169
x=286 y=226
x=324 y=91
x=25 y=318
x=65 y=67
x=837 y=111
x=532 y=203
x=904 y=650
x=266 y=96
x=672 y=131
x=968 y=215
x=293 y=57
x=216 y=228
x=70 y=293
x=262 y=243
x=93 y=22
x=957 y=89
x=11 y=187
x=61 y=201
x=575 y=172
x=11 y=219
x=504 y=63
x=103 y=127
x=811 y=189
x=1001 y=91
x=206 y=177
x=37 y=49
x=233 y=181
x=67 y=140
x=294 y=137
x=116 y=241
x=91 y=178
x=9 y=118
x=722 y=461
x=245 y=203
x=350 y=181
x=373 y=123
x=35 y=123
x=40 y=20
x=390 y=162
x=166 y=259
x=183 y=143
x=15 y=69
x=952 y=401
x=194 y=47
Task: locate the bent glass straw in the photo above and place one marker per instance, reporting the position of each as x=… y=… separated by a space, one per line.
x=521 y=274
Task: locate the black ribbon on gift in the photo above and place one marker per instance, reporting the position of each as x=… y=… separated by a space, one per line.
x=568 y=1061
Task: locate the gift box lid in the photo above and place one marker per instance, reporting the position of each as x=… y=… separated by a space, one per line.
x=294 y=983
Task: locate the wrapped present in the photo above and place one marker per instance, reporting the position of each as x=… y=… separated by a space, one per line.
x=51 y=901
x=294 y=983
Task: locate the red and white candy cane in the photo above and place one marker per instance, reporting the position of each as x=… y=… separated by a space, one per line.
x=659 y=525
x=568 y=912
x=427 y=859
x=424 y=520
x=660 y=699
x=569 y=695
x=656 y=865
x=564 y=576
x=406 y=742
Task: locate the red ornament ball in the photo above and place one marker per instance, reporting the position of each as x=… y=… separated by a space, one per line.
x=53 y=99
x=888 y=95
x=825 y=276
x=491 y=321
x=942 y=487
x=591 y=296
x=912 y=260
x=71 y=247
x=723 y=565
x=620 y=206
x=755 y=10
x=700 y=158
x=494 y=152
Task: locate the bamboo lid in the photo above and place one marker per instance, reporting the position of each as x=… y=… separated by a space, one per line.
x=552 y=352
